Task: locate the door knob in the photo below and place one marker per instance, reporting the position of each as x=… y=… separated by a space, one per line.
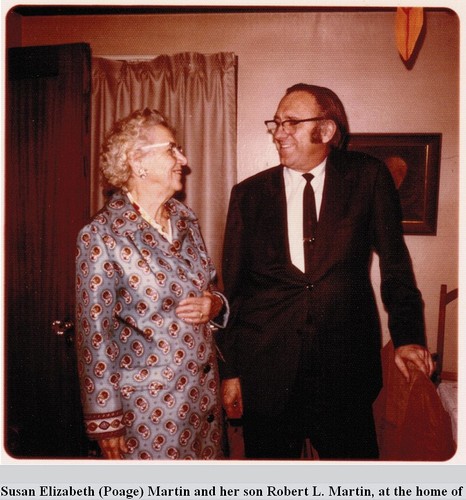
x=60 y=327
x=65 y=329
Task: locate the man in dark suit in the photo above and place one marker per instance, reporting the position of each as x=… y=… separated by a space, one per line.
x=302 y=350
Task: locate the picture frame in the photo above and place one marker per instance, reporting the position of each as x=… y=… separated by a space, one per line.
x=414 y=161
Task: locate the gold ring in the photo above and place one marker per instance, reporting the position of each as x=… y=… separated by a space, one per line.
x=200 y=315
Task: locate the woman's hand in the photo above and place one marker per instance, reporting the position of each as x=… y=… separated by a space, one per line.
x=113 y=448
x=198 y=310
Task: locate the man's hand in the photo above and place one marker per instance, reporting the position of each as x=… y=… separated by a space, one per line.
x=416 y=354
x=232 y=398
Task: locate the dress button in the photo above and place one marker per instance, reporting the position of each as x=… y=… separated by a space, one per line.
x=210 y=418
x=207 y=368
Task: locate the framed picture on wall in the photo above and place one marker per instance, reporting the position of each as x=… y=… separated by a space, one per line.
x=414 y=161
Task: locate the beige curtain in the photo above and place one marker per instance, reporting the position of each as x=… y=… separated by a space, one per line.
x=197 y=93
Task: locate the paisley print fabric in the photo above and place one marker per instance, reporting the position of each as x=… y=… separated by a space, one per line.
x=143 y=371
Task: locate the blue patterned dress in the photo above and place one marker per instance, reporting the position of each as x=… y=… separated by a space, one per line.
x=145 y=373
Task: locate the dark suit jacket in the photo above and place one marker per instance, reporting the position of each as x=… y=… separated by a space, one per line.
x=274 y=304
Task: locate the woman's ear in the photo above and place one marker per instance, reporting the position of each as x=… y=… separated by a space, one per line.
x=134 y=161
x=135 y=165
x=327 y=130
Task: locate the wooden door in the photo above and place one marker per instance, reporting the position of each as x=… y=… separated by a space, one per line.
x=46 y=203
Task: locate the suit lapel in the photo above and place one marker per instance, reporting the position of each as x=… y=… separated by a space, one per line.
x=276 y=194
x=276 y=197
x=335 y=198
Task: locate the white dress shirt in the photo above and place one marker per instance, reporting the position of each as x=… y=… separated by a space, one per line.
x=294 y=187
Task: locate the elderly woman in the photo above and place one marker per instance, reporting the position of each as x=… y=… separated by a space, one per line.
x=147 y=307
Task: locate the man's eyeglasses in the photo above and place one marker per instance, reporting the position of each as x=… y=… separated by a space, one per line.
x=173 y=148
x=289 y=126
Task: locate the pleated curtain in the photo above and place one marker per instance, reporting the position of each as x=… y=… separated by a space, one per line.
x=197 y=92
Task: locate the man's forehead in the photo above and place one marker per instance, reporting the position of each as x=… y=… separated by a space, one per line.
x=296 y=103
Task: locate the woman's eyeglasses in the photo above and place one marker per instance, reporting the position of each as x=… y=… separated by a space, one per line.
x=173 y=148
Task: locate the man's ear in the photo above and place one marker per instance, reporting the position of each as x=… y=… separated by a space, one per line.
x=328 y=129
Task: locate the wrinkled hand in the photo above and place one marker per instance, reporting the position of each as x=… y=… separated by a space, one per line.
x=232 y=397
x=416 y=354
x=198 y=310
x=113 y=448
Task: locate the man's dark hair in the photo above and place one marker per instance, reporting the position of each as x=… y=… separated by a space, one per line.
x=331 y=108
